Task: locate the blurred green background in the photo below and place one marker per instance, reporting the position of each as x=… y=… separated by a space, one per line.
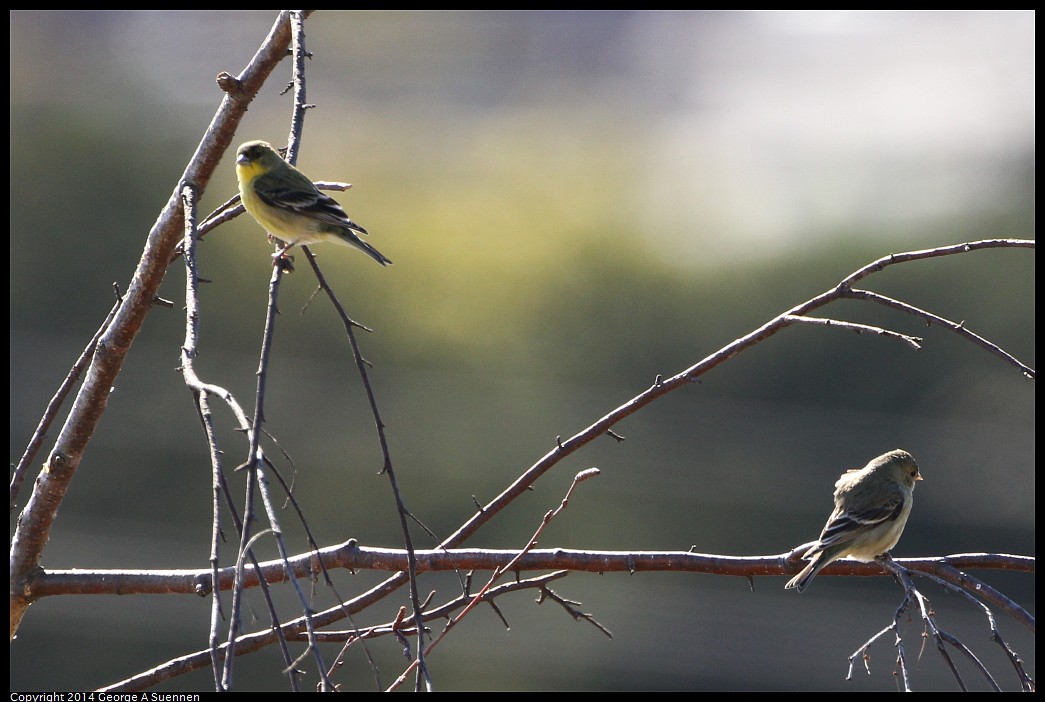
x=575 y=202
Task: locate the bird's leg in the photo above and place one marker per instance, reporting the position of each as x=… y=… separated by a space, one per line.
x=280 y=258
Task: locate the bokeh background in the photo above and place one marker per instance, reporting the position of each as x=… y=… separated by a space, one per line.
x=575 y=203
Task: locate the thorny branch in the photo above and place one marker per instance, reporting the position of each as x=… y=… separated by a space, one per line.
x=107 y=350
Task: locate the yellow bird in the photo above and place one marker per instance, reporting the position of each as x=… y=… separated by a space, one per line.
x=289 y=206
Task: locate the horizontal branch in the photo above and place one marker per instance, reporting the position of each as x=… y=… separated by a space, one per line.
x=350 y=555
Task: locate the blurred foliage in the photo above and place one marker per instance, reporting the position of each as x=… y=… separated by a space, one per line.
x=507 y=164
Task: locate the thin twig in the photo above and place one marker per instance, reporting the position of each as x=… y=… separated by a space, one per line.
x=500 y=570
x=201 y=391
x=387 y=467
x=956 y=327
x=912 y=341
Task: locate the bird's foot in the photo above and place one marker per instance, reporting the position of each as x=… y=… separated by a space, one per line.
x=281 y=260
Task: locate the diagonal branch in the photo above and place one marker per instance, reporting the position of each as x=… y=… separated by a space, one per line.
x=603 y=426
x=49 y=491
x=662 y=387
x=956 y=327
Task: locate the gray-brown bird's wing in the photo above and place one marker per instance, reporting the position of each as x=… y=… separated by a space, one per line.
x=845 y=524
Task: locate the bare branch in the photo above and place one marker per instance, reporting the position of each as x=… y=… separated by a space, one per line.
x=956 y=327
x=102 y=360
x=114 y=343
x=684 y=378
x=498 y=572
x=912 y=341
x=351 y=556
x=941 y=637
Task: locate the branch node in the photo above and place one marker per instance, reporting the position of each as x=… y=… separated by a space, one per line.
x=229 y=83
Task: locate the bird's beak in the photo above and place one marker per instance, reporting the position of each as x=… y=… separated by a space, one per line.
x=919 y=477
x=242 y=160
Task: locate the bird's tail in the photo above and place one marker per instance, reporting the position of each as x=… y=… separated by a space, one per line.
x=350 y=236
x=374 y=253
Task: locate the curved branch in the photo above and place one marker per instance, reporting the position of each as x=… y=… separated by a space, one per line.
x=662 y=387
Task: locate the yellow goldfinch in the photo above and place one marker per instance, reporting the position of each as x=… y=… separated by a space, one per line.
x=289 y=206
x=871 y=509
